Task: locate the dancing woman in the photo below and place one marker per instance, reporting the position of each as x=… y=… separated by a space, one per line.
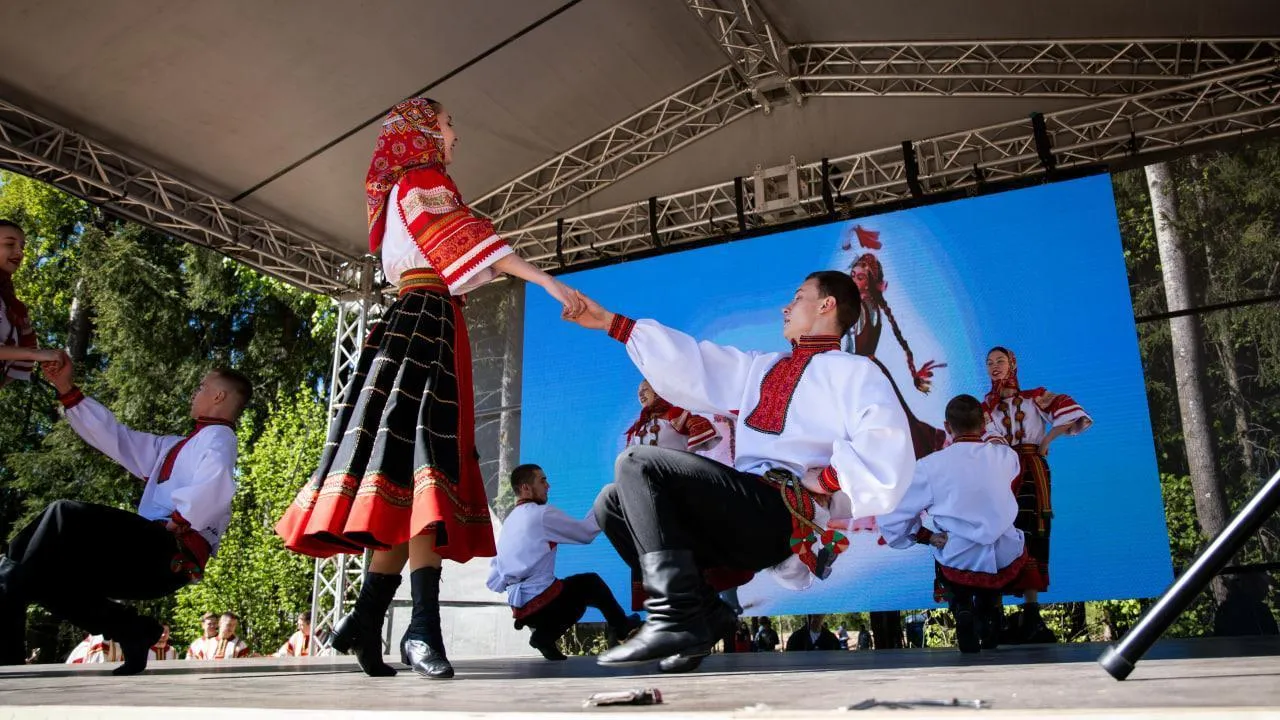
x=399 y=472
x=18 y=349
x=864 y=339
x=1029 y=420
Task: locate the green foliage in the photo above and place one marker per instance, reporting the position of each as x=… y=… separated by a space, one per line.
x=253 y=574
x=161 y=314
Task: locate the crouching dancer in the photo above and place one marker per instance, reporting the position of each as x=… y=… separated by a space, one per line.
x=978 y=553
x=525 y=568
x=820 y=436
x=77 y=558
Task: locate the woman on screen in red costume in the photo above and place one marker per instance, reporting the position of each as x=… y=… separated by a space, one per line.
x=1029 y=420
x=399 y=472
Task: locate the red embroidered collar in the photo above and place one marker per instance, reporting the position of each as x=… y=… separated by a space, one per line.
x=204 y=422
x=975 y=438
x=813 y=344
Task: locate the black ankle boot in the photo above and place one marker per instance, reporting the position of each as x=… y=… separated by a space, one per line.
x=722 y=619
x=361 y=628
x=136 y=644
x=423 y=645
x=676 y=623
x=967 y=637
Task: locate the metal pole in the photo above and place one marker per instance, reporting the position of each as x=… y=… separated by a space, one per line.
x=1120 y=659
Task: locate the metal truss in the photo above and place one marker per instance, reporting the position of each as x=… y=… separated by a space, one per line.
x=33 y=146
x=1019 y=68
x=1219 y=105
x=755 y=48
x=336 y=580
x=647 y=136
x=1086 y=69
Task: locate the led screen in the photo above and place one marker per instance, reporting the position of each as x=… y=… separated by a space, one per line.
x=1039 y=270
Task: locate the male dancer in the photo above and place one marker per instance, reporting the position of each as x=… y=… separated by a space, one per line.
x=820 y=435
x=525 y=568
x=184 y=511
x=977 y=551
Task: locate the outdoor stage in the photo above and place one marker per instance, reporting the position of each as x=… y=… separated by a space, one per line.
x=1179 y=677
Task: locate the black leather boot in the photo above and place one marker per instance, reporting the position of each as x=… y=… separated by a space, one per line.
x=423 y=645
x=135 y=643
x=722 y=619
x=676 y=624
x=967 y=637
x=361 y=628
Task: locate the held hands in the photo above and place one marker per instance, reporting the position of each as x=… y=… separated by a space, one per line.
x=939 y=540
x=59 y=370
x=593 y=316
x=573 y=301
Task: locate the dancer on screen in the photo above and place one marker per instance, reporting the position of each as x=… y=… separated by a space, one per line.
x=664 y=425
x=1029 y=420
x=864 y=337
x=820 y=435
x=978 y=553
x=399 y=472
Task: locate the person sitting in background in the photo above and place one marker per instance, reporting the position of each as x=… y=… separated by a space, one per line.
x=228 y=645
x=813 y=636
x=766 y=637
x=202 y=647
x=300 y=643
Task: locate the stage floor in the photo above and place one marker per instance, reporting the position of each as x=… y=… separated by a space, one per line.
x=1179 y=677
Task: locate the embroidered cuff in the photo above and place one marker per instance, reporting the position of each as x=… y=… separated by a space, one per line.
x=620 y=330
x=829 y=481
x=924 y=535
x=71 y=398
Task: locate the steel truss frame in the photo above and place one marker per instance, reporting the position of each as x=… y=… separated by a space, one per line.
x=336 y=580
x=34 y=146
x=1084 y=69
x=1237 y=100
x=755 y=48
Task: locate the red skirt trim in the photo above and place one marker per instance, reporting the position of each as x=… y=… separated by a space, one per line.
x=1021 y=574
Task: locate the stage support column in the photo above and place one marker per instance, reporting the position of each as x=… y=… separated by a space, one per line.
x=336 y=580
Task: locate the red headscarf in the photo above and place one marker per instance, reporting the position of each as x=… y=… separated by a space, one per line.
x=411 y=138
x=1010 y=381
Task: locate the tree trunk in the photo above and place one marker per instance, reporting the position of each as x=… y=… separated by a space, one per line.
x=80 y=324
x=1188 y=362
x=886 y=630
x=512 y=363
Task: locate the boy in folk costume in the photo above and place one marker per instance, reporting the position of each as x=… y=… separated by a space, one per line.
x=820 y=435
x=1029 y=420
x=978 y=553
x=227 y=645
x=525 y=568
x=301 y=643
x=202 y=647
x=181 y=518
x=95 y=649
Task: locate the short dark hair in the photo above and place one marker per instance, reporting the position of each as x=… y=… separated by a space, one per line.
x=238 y=383
x=838 y=285
x=7 y=223
x=305 y=615
x=522 y=475
x=209 y=616
x=964 y=415
x=233 y=616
